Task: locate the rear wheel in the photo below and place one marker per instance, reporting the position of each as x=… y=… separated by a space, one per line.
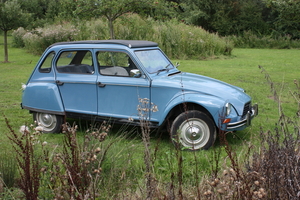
x=193 y=130
x=51 y=123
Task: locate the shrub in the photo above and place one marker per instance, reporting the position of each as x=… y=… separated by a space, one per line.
x=37 y=40
x=178 y=40
x=250 y=40
x=18 y=37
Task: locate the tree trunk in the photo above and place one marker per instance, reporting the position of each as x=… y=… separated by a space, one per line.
x=111 y=28
x=5 y=47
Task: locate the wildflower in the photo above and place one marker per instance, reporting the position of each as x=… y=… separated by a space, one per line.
x=130 y=119
x=220 y=191
x=256 y=183
x=94 y=158
x=225 y=172
x=43 y=169
x=213 y=183
x=154 y=108
x=207 y=193
x=97 y=150
x=44 y=143
x=262 y=190
x=24 y=129
x=39 y=128
x=217 y=181
x=23 y=86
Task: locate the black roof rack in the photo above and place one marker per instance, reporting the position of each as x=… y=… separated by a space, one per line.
x=128 y=43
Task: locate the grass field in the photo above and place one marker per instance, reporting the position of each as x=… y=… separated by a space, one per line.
x=241 y=69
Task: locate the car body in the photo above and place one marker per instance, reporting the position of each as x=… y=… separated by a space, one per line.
x=110 y=79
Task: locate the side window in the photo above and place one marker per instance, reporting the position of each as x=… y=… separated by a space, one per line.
x=46 y=65
x=115 y=64
x=75 y=62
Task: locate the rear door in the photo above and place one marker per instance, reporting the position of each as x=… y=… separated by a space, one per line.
x=76 y=80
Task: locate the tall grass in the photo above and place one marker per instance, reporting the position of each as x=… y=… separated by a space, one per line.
x=176 y=39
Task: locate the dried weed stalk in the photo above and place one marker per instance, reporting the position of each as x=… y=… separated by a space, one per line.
x=29 y=162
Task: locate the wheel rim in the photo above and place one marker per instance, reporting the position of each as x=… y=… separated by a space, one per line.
x=47 y=121
x=194 y=133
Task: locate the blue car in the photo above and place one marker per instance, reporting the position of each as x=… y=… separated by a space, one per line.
x=132 y=81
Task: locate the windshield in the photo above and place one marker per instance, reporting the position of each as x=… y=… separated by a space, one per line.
x=154 y=60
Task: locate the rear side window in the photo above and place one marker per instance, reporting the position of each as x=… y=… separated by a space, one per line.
x=75 y=62
x=46 y=65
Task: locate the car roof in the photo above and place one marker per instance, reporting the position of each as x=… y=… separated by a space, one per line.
x=128 y=43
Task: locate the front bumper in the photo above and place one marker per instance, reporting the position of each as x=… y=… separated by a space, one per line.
x=246 y=121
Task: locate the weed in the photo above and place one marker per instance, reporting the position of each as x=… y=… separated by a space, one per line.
x=27 y=159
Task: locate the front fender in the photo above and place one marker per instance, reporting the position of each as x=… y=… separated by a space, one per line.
x=43 y=97
x=212 y=104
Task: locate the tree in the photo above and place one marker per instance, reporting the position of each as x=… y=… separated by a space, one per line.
x=110 y=9
x=41 y=11
x=226 y=17
x=287 y=17
x=11 y=17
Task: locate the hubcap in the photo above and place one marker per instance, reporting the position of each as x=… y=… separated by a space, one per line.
x=194 y=133
x=47 y=121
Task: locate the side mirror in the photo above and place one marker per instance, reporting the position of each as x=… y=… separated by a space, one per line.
x=135 y=73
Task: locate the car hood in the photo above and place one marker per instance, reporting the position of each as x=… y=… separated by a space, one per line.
x=189 y=82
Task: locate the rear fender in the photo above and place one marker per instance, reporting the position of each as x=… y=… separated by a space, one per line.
x=43 y=97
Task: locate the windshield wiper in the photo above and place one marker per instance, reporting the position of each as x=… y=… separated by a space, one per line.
x=163 y=69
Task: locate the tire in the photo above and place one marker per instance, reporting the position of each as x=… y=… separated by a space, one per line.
x=51 y=123
x=193 y=130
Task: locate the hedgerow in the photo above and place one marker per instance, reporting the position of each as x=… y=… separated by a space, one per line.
x=178 y=40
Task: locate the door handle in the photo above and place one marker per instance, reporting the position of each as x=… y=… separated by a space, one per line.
x=59 y=83
x=101 y=84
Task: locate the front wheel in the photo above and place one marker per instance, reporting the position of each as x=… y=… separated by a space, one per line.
x=51 y=123
x=193 y=130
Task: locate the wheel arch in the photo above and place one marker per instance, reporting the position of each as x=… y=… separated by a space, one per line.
x=185 y=106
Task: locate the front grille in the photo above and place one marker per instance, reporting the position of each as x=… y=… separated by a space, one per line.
x=247 y=108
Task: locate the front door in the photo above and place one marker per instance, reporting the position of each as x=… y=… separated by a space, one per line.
x=120 y=86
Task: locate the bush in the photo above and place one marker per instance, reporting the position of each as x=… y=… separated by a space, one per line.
x=251 y=40
x=176 y=39
x=37 y=40
x=18 y=40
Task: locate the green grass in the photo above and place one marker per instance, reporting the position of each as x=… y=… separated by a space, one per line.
x=241 y=69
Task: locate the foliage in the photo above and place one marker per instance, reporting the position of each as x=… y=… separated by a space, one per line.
x=251 y=40
x=176 y=39
x=287 y=21
x=226 y=17
x=39 y=39
x=110 y=9
x=41 y=11
x=11 y=17
x=27 y=159
x=233 y=17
